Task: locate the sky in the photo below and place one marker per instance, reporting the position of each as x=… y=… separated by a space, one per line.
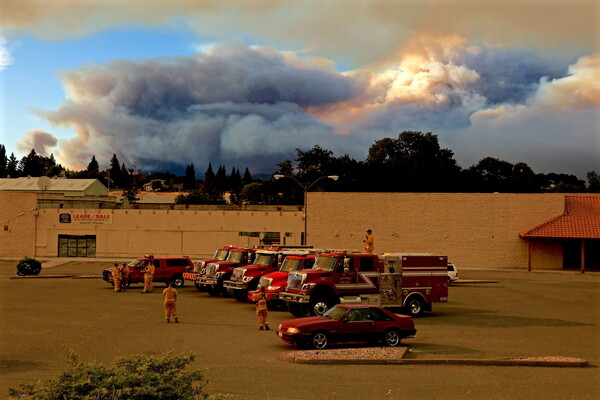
x=245 y=83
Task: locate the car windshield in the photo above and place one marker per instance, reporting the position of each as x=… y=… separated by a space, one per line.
x=263 y=260
x=290 y=264
x=325 y=263
x=235 y=256
x=335 y=313
x=221 y=254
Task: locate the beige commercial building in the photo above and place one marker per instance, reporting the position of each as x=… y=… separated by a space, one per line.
x=473 y=230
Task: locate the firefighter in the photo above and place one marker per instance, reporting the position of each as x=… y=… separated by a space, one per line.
x=148 y=276
x=261 y=308
x=369 y=242
x=170 y=295
x=117 y=276
x=124 y=277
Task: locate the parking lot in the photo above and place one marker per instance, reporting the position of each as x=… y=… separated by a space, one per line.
x=522 y=315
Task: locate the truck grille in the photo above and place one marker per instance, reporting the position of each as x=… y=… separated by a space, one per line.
x=238 y=274
x=211 y=270
x=295 y=281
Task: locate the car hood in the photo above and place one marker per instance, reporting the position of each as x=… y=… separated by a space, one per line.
x=308 y=322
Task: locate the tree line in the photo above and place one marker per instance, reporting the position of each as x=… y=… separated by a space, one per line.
x=413 y=162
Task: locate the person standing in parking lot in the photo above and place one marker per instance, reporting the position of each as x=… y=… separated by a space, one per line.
x=148 y=276
x=124 y=277
x=261 y=308
x=369 y=242
x=170 y=295
x=117 y=277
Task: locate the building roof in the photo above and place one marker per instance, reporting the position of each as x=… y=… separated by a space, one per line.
x=55 y=185
x=580 y=220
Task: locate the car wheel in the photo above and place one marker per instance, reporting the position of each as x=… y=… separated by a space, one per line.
x=298 y=310
x=415 y=307
x=391 y=337
x=319 y=340
x=177 y=281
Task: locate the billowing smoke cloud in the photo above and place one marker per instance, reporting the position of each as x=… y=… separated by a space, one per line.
x=40 y=141
x=355 y=31
x=248 y=106
x=233 y=105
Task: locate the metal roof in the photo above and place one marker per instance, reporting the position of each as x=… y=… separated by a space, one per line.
x=57 y=184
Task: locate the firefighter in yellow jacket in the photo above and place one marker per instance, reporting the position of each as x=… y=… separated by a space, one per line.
x=117 y=276
x=369 y=242
x=261 y=308
x=170 y=295
x=148 y=276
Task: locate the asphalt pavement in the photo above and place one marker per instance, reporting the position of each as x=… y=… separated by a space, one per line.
x=523 y=315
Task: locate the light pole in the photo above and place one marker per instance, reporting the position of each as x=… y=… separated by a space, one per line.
x=305 y=188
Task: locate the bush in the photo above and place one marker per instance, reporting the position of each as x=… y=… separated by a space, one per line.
x=29 y=266
x=137 y=377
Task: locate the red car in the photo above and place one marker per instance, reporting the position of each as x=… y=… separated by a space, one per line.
x=348 y=323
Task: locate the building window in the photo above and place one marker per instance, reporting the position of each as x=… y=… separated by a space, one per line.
x=77 y=246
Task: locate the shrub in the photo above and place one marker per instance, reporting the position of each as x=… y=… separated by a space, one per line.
x=28 y=266
x=136 y=377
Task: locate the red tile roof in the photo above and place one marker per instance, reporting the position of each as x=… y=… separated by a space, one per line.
x=580 y=220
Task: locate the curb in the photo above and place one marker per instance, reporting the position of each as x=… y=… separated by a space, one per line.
x=56 y=276
x=555 y=362
x=464 y=281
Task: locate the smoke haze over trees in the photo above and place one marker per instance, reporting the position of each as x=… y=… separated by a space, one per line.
x=414 y=162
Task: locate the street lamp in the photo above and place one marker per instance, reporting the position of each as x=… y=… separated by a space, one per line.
x=305 y=188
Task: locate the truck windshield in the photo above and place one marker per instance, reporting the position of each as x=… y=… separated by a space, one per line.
x=263 y=260
x=290 y=264
x=221 y=254
x=335 y=313
x=235 y=256
x=135 y=263
x=325 y=263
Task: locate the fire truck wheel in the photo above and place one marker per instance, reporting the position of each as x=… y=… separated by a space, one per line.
x=415 y=306
x=198 y=286
x=214 y=290
x=228 y=292
x=240 y=295
x=319 y=340
x=298 y=310
x=391 y=337
x=320 y=304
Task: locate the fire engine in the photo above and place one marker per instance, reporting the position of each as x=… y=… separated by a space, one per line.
x=410 y=281
x=245 y=279
x=217 y=272
x=192 y=274
x=275 y=282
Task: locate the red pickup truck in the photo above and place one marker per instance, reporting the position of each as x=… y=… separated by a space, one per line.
x=167 y=269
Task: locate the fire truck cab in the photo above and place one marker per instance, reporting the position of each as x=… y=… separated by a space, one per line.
x=398 y=280
x=245 y=279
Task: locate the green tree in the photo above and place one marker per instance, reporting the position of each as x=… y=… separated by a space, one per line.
x=190 y=182
x=137 y=377
x=593 y=182
x=221 y=179
x=3 y=161
x=32 y=164
x=12 y=167
x=93 y=169
x=209 y=180
x=115 y=172
x=247 y=178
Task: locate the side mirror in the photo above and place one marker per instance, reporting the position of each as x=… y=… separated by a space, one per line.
x=346 y=270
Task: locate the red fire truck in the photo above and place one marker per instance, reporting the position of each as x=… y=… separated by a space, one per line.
x=275 y=282
x=410 y=281
x=245 y=279
x=192 y=274
x=217 y=272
